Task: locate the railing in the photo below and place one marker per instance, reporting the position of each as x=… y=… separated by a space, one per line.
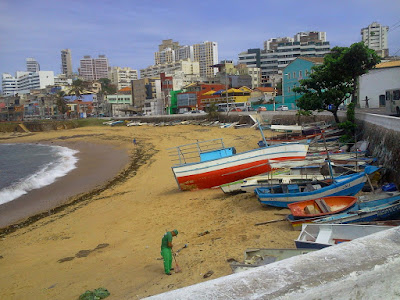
x=190 y=153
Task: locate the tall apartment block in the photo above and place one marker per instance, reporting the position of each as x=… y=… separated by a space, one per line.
x=206 y=54
x=66 y=62
x=169 y=52
x=122 y=77
x=279 y=52
x=375 y=36
x=24 y=82
x=32 y=65
x=93 y=68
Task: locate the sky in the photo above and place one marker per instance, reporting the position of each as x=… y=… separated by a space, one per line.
x=128 y=32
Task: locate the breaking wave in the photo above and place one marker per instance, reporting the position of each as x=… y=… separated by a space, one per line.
x=65 y=162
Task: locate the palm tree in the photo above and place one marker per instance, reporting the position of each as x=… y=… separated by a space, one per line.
x=77 y=89
x=61 y=102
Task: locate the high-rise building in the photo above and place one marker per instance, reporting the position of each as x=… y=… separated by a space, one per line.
x=66 y=62
x=164 y=56
x=187 y=67
x=93 y=68
x=279 y=52
x=122 y=77
x=32 y=65
x=272 y=44
x=184 y=52
x=206 y=54
x=310 y=36
x=23 y=82
x=375 y=36
x=168 y=44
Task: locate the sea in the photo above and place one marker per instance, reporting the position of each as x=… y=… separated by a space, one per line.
x=25 y=167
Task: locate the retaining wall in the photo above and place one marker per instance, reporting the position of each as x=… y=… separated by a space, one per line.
x=383 y=134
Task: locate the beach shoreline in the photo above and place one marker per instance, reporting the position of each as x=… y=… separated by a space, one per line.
x=88 y=175
x=110 y=236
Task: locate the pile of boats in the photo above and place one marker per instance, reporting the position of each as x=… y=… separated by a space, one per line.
x=308 y=172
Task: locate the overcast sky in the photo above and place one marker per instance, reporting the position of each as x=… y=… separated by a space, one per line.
x=128 y=32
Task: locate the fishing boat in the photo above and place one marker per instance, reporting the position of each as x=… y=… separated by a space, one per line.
x=284 y=173
x=262 y=256
x=321 y=207
x=281 y=195
x=210 y=164
x=369 y=208
x=318 y=236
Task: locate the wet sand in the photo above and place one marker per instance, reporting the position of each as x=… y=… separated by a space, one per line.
x=96 y=165
x=110 y=237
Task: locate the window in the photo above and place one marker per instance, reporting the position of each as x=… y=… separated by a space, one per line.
x=288 y=76
x=300 y=74
x=294 y=74
x=288 y=89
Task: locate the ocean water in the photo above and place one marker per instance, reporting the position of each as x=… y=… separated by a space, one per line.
x=25 y=167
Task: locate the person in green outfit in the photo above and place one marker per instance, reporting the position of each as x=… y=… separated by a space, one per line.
x=166 y=250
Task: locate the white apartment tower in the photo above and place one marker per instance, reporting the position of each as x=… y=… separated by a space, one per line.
x=32 y=65
x=66 y=62
x=24 y=82
x=122 y=77
x=93 y=68
x=375 y=36
x=206 y=54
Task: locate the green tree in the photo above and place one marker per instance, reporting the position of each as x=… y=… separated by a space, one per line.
x=330 y=84
x=77 y=89
x=107 y=87
x=322 y=91
x=349 y=126
x=61 y=102
x=212 y=112
x=356 y=61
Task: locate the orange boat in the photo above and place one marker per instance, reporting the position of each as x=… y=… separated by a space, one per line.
x=322 y=206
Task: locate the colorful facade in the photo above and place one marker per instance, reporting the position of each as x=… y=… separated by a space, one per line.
x=296 y=71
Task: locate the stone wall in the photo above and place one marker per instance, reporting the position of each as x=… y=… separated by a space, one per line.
x=383 y=134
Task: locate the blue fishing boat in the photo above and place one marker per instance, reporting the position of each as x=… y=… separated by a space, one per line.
x=377 y=210
x=281 y=195
x=386 y=206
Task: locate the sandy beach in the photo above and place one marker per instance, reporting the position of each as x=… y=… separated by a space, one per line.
x=113 y=210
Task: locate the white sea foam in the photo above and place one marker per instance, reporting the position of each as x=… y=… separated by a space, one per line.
x=64 y=163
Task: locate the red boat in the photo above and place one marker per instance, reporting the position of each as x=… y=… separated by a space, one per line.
x=322 y=206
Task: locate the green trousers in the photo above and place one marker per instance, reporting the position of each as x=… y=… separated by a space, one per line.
x=166 y=253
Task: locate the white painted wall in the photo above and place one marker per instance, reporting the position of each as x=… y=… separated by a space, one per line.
x=376 y=82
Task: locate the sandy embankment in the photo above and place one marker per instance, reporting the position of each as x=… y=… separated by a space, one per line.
x=111 y=238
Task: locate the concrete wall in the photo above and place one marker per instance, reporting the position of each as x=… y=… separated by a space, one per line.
x=383 y=134
x=365 y=268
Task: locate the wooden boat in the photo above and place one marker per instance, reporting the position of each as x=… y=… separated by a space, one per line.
x=262 y=256
x=252 y=183
x=318 y=236
x=369 y=208
x=284 y=173
x=210 y=164
x=284 y=194
x=321 y=207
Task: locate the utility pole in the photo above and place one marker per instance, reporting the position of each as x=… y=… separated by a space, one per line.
x=226 y=90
